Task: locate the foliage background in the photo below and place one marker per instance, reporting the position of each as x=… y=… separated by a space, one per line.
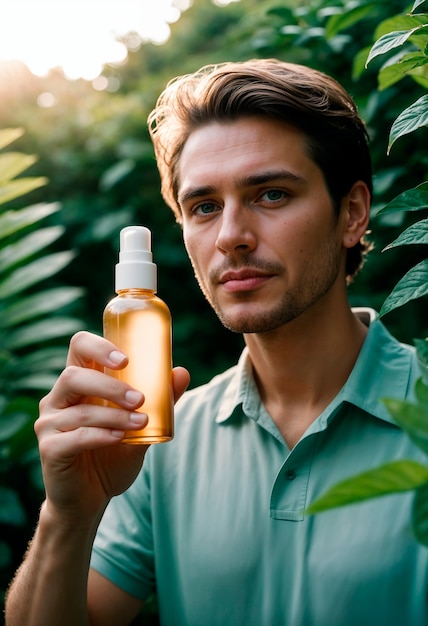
x=94 y=148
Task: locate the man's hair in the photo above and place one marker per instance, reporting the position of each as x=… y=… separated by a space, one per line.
x=314 y=103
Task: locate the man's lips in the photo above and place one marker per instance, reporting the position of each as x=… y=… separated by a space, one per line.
x=243 y=280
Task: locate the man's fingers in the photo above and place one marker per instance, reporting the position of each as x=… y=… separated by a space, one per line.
x=91 y=351
x=181 y=379
x=87 y=426
x=77 y=383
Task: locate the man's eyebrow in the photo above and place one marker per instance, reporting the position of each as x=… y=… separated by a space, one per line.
x=270 y=176
x=195 y=192
x=251 y=180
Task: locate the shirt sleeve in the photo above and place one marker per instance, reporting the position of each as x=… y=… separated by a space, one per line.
x=123 y=548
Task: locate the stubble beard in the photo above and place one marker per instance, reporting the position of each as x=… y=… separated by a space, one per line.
x=314 y=285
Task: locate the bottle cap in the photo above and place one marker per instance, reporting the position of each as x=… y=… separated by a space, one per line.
x=135 y=269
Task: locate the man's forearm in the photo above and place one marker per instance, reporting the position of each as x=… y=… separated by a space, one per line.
x=50 y=588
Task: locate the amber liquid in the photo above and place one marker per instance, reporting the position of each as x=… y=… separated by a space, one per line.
x=139 y=323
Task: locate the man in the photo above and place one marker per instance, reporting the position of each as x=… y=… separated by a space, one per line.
x=266 y=166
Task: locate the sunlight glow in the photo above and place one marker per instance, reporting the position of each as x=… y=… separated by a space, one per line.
x=80 y=36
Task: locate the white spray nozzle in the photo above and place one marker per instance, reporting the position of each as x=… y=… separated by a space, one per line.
x=135 y=269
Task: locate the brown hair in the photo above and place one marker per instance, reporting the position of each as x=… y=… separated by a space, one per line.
x=313 y=102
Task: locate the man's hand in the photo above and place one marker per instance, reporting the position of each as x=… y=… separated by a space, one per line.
x=84 y=462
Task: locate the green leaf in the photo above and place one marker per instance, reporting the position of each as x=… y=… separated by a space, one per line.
x=46 y=329
x=412 y=118
x=345 y=19
x=9 y=135
x=414 y=199
x=359 y=62
x=52 y=357
x=41 y=303
x=414 y=234
x=34 y=272
x=20 y=187
x=412 y=418
x=12 y=222
x=11 y=510
x=413 y=285
x=400 y=22
x=420 y=515
x=14 y=163
x=389 y=42
x=28 y=246
x=394 y=477
x=116 y=173
x=43 y=381
x=392 y=73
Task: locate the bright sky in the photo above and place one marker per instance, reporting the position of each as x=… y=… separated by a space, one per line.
x=81 y=35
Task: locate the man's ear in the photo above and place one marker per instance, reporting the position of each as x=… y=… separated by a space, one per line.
x=356 y=213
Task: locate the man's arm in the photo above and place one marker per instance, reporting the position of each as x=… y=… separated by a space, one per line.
x=122 y=610
x=50 y=585
x=58 y=561
x=84 y=465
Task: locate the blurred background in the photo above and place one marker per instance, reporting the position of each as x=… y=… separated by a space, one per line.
x=77 y=82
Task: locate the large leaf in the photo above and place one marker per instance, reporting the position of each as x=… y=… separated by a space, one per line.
x=414 y=234
x=394 y=477
x=416 y=4
x=50 y=358
x=14 y=163
x=20 y=187
x=414 y=199
x=45 y=330
x=38 y=370
x=41 y=303
x=413 y=285
x=116 y=173
x=390 y=41
x=408 y=64
x=412 y=118
x=41 y=381
x=344 y=19
x=12 y=222
x=412 y=418
x=400 y=22
x=28 y=246
x=9 y=135
x=34 y=272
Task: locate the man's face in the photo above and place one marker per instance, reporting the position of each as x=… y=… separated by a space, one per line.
x=258 y=223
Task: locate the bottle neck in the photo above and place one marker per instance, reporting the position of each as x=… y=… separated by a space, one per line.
x=135 y=291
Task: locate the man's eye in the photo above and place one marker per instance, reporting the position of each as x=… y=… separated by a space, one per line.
x=205 y=208
x=273 y=195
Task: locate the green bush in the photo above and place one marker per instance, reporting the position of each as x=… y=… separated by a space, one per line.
x=409 y=40
x=33 y=327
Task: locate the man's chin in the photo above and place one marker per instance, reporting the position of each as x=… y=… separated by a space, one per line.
x=250 y=325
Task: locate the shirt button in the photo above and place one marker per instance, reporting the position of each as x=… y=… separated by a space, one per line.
x=290 y=474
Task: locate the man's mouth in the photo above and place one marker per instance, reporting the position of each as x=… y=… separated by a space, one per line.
x=243 y=280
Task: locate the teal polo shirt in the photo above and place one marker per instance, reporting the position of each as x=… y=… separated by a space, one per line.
x=215 y=521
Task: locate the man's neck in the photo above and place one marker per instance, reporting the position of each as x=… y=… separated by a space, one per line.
x=301 y=367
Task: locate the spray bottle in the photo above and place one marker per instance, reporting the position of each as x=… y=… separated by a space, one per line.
x=139 y=324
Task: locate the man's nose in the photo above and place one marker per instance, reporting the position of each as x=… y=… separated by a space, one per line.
x=236 y=229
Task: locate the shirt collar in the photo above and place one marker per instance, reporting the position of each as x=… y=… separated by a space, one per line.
x=383 y=369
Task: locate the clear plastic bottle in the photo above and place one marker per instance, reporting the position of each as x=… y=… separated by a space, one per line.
x=139 y=323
